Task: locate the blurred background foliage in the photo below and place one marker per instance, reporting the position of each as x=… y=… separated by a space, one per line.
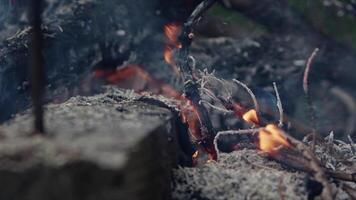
x=333 y=18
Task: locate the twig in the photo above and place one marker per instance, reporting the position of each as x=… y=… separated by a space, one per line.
x=315 y=165
x=353 y=148
x=306 y=91
x=222 y=110
x=342 y=175
x=349 y=190
x=307 y=70
x=253 y=97
x=231 y=132
x=36 y=64
x=279 y=105
x=191 y=90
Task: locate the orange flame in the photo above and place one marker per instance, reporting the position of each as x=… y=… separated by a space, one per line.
x=195 y=154
x=171 y=32
x=271 y=138
x=251 y=116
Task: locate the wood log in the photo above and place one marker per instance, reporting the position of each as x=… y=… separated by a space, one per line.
x=104 y=147
x=80 y=36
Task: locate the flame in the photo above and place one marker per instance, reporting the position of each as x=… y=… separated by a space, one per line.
x=251 y=116
x=195 y=154
x=171 y=32
x=271 y=138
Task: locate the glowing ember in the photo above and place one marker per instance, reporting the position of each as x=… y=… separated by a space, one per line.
x=171 y=32
x=189 y=116
x=136 y=78
x=196 y=154
x=251 y=116
x=271 y=138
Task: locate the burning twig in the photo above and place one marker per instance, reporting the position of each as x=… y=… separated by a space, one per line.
x=253 y=97
x=352 y=144
x=36 y=63
x=279 y=105
x=315 y=165
x=306 y=91
x=191 y=90
x=222 y=110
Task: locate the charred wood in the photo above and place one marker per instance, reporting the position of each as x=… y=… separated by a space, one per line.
x=190 y=86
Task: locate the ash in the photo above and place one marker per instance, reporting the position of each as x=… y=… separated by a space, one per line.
x=239 y=175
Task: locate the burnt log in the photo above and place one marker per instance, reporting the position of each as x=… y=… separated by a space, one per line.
x=107 y=146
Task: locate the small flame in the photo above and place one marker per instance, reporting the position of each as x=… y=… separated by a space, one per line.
x=171 y=32
x=272 y=138
x=195 y=154
x=251 y=116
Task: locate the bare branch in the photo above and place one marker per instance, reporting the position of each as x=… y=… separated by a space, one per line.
x=315 y=165
x=231 y=132
x=253 y=97
x=307 y=70
x=309 y=100
x=279 y=105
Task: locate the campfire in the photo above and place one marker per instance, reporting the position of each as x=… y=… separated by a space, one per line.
x=200 y=99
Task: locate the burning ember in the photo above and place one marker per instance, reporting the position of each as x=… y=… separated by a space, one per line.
x=251 y=117
x=271 y=138
x=136 y=78
x=171 y=32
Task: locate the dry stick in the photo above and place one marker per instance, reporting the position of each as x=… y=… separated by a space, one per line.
x=231 y=132
x=292 y=158
x=349 y=190
x=253 y=97
x=350 y=104
x=191 y=90
x=279 y=105
x=342 y=175
x=36 y=64
x=306 y=91
x=315 y=165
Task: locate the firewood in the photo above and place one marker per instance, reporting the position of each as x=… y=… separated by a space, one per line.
x=109 y=146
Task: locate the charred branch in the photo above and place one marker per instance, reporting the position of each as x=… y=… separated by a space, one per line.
x=191 y=90
x=36 y=64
